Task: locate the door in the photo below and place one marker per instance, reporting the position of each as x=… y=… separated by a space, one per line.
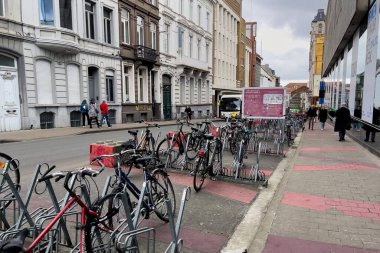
x=93 y=88
x=10 y=118
x=167 y=97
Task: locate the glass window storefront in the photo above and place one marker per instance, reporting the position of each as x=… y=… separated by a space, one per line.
x=361 y=67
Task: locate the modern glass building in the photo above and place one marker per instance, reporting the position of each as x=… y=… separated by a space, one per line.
x=351 y=65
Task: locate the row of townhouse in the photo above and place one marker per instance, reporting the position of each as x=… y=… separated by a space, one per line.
x=148 y=58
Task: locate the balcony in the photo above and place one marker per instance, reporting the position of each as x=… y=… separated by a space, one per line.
x=57 y=40
x=145 y=54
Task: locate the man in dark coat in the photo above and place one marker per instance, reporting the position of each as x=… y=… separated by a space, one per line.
x=311 y=114
x=322 y=116
x=371 y=130
x=342 y=121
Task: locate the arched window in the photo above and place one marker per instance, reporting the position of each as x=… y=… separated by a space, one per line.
x=140 y=31
x=73 y=84
x=6 y=61
x=44 y=82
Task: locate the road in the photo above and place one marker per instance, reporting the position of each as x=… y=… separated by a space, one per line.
x=212 y=213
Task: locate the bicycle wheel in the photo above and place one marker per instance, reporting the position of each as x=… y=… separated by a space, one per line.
x=125 y=159
x=13 y=171
x=199 y=175
x=191 y=146
x=98 y=231
x=166 y=155
x=149 y=145
x=161 y=190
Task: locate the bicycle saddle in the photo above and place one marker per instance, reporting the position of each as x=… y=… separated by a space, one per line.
x=15 y=245
x=133 y=132
x=208 y=136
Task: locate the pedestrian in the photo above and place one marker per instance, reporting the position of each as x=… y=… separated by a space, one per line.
x=188 y=113
x=84 y=111
x=311 y=114
x=369 y=130
x=93 y=113
x=342 y=121
x=322 y=116
x=105 y=113
x=357 y=114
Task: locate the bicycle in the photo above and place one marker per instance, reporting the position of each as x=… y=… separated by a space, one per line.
x=145 y=144
x=159 y=187
x=203 y=165
x=90 y=218
x=14 y=175
x=174 y=145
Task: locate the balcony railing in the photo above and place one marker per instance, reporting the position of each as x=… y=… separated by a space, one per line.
x=145 y=53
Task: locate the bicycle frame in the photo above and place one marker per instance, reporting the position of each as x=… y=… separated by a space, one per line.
x=85 y=212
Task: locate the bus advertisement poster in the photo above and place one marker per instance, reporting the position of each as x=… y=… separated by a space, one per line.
x=263 y=103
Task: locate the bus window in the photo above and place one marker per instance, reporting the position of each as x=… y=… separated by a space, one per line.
x=230 y=104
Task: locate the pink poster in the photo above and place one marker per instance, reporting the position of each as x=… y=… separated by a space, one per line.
x=263 y=103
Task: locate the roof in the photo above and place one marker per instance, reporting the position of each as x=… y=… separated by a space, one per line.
x=290 y=87
x=320 y=16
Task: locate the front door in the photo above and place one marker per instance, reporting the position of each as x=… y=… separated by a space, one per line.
x=167 y=97
x=10 y=118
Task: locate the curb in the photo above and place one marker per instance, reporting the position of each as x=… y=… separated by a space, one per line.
x=245 y=233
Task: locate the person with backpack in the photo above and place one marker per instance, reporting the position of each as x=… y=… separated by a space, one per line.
x=188 y=113
x=105 y=113
x=84 y=111
x=93 y=113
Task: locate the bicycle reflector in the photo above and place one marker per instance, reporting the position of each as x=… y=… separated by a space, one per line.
x=201 y=153
x=2 y=165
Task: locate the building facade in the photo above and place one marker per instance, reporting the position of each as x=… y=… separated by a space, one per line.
x=139 y=50
x=70 y=52
x=13 y=104
x=186 y=46
x=317 y=38
x=244 y=55
x=351 y=57
x=251 y=33
x=227 y=15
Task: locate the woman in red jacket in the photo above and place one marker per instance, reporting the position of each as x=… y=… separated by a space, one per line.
x=104 y=111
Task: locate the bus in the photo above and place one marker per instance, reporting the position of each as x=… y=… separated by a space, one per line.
x=230 y=106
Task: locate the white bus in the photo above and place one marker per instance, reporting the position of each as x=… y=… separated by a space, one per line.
x=230 y=106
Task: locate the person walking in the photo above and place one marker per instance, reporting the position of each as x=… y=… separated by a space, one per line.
x=84 y=111
x=93 y=113
x=188 y=114
x=311 y=114
x=371 y=131
x=322 y=116
x=342 y=121
x=105 y=113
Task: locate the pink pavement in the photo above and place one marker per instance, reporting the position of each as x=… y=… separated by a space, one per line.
x=329 y=200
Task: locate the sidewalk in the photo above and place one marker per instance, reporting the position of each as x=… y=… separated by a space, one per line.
x=24 y=135
x=327 y=200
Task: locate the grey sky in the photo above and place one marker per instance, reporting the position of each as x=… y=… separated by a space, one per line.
x=283 y=34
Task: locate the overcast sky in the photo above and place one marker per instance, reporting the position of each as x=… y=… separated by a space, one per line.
x=283 y=35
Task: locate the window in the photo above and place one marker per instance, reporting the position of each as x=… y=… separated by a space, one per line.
x=90 y=20
x=128 y=86
x=182 y=89
x=2 y=9
x=199 y=14
x=181 y=7
x=143 y=95
x=46 y=12
x=107 y=14
x=44 y=82
x=208 y=21
x=191 y=10
x=190 y=46
x=199 y=49
x=166 y=38
x=65 y=17
x=109 y=87
x=199 y=91
x=140 y=31
x=207 y=52
x=180 y=40
x=153 y=33
x=7 y=61
x=73 y=84
x=125 y=26
x=192 y=97
x=320 y=28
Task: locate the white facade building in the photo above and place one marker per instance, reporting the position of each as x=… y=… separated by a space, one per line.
x=70 y=53
x=267 y=80
x=186 y=57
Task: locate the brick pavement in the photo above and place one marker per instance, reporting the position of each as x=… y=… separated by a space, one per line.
x=329 y=201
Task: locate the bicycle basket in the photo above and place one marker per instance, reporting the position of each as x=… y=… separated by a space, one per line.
x=214 y=131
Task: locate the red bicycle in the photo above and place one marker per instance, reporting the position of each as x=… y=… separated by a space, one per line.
x=92 y=219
